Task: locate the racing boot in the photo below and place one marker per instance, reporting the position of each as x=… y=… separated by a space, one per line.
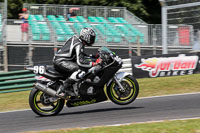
x=67 y=89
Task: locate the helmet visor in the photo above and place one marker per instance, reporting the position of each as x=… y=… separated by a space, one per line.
x=92 y=40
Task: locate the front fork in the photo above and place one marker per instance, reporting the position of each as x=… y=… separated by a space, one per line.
x=119 y=84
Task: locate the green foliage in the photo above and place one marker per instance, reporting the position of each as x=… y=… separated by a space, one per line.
x=145 y=9
x=153 y=8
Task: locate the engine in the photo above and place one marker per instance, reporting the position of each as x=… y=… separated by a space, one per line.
x=86 y=88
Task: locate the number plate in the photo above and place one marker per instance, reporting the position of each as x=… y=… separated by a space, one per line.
x=39 y=69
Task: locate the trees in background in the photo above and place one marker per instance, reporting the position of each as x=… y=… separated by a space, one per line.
x=148 y=10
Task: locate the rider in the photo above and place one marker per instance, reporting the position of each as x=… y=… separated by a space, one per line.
x=72 y=60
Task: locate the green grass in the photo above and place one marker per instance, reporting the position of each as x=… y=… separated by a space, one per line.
x=169 y=85
x=148 y=87
x=14 y=101
x=179 y=126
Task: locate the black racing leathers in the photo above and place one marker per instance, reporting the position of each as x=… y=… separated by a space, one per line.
x=71 y=57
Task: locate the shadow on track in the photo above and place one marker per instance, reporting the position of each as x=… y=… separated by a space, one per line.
x=100 y=110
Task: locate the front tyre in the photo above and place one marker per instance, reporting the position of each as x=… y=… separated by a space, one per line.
x=117 y=96
x=40 y=104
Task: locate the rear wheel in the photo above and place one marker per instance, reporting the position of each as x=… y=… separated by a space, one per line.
x=126 y=96
x=41 y=105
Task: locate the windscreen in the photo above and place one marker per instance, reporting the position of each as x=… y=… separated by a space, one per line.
x=106 y=50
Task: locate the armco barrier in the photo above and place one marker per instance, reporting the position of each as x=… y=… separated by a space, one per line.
x=127 y=66
x=23 y=80
x=15 y=81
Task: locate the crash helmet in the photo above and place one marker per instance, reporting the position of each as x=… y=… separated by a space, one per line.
x=88 y=36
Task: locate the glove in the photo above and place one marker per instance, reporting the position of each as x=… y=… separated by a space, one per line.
x=98 y=61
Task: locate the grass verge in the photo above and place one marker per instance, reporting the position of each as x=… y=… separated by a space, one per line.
x=178 y=126
x=148 y=87
x=14 y=101
x=169 y=85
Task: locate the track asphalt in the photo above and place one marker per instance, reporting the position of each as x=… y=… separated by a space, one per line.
x=107 y=113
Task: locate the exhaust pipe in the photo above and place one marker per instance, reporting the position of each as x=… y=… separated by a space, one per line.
x=45 y=89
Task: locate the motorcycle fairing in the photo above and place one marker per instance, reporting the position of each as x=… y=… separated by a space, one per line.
x=121 y=75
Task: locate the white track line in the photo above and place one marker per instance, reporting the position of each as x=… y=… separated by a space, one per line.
x=183 y=94
x=123 y=124
x=15 y=111
x=194 y=93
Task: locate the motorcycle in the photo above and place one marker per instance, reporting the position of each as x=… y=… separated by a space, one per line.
x=99 y=84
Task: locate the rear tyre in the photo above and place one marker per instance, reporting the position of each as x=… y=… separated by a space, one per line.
x=131 y=87
x=40 y=104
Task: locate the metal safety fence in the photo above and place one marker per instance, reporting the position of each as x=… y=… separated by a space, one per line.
x=185 y=12
x=59 y=31
x=83 y=10
x=45 y=37
x=79 y=10
x=110 y=33
x=117 y=28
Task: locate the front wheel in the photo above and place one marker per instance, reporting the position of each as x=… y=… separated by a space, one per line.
x=128 y=95
x=40 y=104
